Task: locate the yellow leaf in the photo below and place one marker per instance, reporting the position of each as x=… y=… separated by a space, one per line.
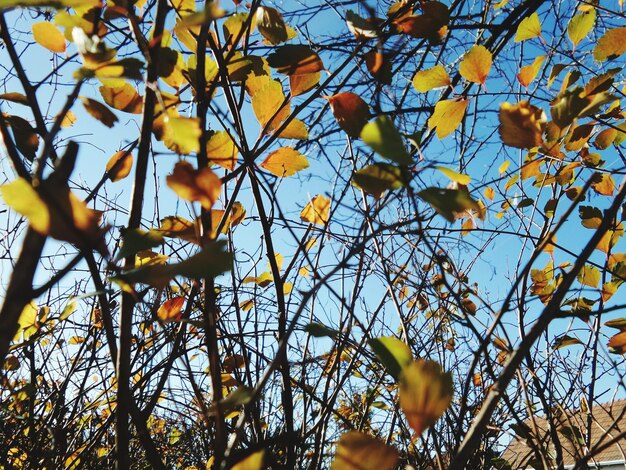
x=59 y=214
x=49 y=36
x=580 y=26
x=489 y=193
x=303 y=271
x=605 y=138
x=425 y=393
x=447 y=116
x=190 y=184
x=268 y=102
x=171 y=309
x=28 y=324
x=521 y=125
x=279 y=261
x=350 y=111
x=316 y=211
x=603 y=184
x=182 y=135
x=529 y=72
x=285 y=161
x=221 y=150
x=529 y=28
x=611 y=45
x=68 y=120
x=476 y=65
x=454 y=176
x=119 y=165
x=252 y=462
x=432 y=78
x=246 y=305
x=503 y=167
x=589 y=276
x=295 y=129
x=123 y=97
x=262 y=280
x=360 y=451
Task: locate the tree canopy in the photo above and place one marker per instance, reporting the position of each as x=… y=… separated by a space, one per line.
x=309 y=234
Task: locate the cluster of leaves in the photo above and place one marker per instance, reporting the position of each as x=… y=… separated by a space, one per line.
x=332 y=160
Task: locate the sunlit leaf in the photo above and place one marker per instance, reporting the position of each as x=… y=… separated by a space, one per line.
x=447 y=116
x=383 y=137
x=617 y=343
x=603 y=184
x=300 y=84
x=360 y=451
x=178 y=227
x=476 y=65
x=271 y=25
x=295 y=59
x=619 y=323
x=521 y=125
x=171 y=309
x=611 y=45
x=192 y=185
x=316 y=211
x=99 y=111
x=234 y=25
x=262 y=280
x=285 y=161
x=377 y=178
x=393 y=353
x=48 y=35
x=123 y=97
x=575 y=103
x=268 y=103
x=119 y=165
x=27 y=322
x=182 y=134
x=435 y=77
x=454 y=176
x=68 y=120
x=449 y=202
x=605 y=138
x=252 y=462
x=425 y=393
x=350 y=111
x=589 y=276
x=295 y=129
x=221 y=149
x=529 y=72
x=529 y=28
x=580 y=26
x=53 y=210
x=431 y=24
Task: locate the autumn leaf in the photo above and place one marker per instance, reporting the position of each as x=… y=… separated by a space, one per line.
x=362 y=28
x=300 y=84
x=529 y=72
x=295 y=59
x=589 y=276
x=617 y=343
x=182 y=134
x=123 y=97
x=25 y=136
x=268 y=103
x=450 y=203
x=350 y=111
x=454 y=176
x=430 y=79
x=580 y=26
x=53 y=210
x=285 y=161
x=119 y=165
x=99 y=111
x=360 y=451
x=192 y=185
x=425 y=393
x=383 y=137
x=171 y=309
x=564 y=341
x=271 y=25
x=252 y=462
x=447 y=116
x=431 y=24
x=611 y=45
x=529 y=28
x=221 y=149
x=48 y=35
x=521 y=125
x=316 y=211
x=476 y=65
x=377 y=178
x=393 y=353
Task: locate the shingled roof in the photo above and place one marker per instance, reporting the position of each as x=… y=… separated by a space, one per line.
x=608 y=422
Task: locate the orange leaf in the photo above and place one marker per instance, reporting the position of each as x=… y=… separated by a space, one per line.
x=190 y=184
x=521 y=125
x=316 y=211
x=171 y=309
x=350 y=111
x=119 y=165
x=285 y=161
x=360 y=451
x=528 y=73
x=476 y=64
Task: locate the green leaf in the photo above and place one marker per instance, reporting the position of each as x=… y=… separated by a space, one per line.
x=393 y=353
x=580 y=26
x=318 y=330
x=137 y=240
x=383 y=137
x=449 y=202
x=377 y=178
